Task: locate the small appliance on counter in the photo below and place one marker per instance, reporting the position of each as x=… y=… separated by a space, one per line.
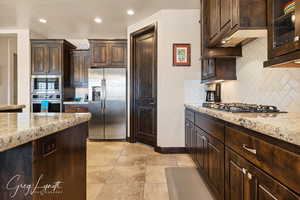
x=213 y=93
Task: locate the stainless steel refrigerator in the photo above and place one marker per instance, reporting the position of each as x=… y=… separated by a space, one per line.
x=107 y=103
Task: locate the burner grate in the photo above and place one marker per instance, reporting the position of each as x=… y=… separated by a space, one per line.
x=242 y=107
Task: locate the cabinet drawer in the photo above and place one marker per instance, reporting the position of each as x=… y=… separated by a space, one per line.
x=75 y=109
x=189 y=115
x=210 y=126
x=278 y=162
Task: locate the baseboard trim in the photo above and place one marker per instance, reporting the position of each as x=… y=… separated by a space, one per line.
x=107 y=140
x=170 y=150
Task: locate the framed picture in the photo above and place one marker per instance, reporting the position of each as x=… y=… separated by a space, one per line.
x=181 y=55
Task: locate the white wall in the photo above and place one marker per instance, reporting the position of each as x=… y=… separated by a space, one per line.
x=176 y=85
x=23 y=51
x=8 y=46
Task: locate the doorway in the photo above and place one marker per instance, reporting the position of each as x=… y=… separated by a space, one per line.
x=143 y=86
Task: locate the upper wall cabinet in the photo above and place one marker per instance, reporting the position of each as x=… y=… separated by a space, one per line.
x=218 y=69
x=108 y=53
x=80 y=63
x=51 y=57
x=283 y=33
x=232 y=23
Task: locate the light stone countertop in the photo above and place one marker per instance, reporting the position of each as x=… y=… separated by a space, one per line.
x=10 y=107
x=283 y=126
x=20 y=128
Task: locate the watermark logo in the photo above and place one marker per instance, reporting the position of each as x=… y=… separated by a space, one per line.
x=16 y=187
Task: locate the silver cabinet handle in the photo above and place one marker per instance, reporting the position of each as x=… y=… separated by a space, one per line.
x=249 y=176
x=253 y=151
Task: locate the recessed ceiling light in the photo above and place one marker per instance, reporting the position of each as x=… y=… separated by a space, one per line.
x=98 y=20
x=130 y=12
x=42 y=20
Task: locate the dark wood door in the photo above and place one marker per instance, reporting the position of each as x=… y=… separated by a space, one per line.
x=39 y=61
x=100 y=54
x=214 y=18
x=215 y=165
x=80 y=63
x=145 y=86
x=118 y=54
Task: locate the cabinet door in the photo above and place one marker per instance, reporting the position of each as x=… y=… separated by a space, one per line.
x=118 y=54
x=244 y=181
x=204 y=69
x=235 y=178
x=215 y=162
x=47 y=166
x=39 y=61
x=80 y=63
x=54 y=59
x=202 y=151
x=211 y=68
x=214 y=18
x=100 y=52
x=226 y=9
x=188 y=132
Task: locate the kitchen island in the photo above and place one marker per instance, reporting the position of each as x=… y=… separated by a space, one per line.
x=11 y=108
x=43 y=156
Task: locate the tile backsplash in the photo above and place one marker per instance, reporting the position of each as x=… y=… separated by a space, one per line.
x=255 y=84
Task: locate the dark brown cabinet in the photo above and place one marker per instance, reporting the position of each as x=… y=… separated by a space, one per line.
x=229 y=21
x=108 y=53
x=214 y=18
x=189 y=128
x=283 y=34
x=80 y=63
x=208 y=154
x=51 y=57
x=245 y=181
x=237 y=165
x=218 y=69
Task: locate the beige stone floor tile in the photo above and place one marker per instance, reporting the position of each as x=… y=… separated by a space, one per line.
x=102 y=160
x=184 y=160
x=137 y=149
x=98 y=174
x=131 y=160
x=162 y=160
x=156 y=191
x=93 y=190
x=124 y=191
x=127 y=174
x=155 y=174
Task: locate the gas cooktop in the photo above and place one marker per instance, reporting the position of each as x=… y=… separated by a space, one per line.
x=242 y=108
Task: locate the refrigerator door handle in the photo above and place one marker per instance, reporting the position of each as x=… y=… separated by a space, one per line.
x=104 y=86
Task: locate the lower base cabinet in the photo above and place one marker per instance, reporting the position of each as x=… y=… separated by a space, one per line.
x=229 y=174
x=246 y=182
x=208 y=154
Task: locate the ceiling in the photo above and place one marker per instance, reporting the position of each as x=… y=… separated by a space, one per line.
x=75 y=18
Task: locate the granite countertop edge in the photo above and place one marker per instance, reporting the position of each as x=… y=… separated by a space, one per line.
x=258 y=124
x=11 y=107
x=24 y=136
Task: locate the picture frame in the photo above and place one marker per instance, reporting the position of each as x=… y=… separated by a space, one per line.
x=182 y=55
